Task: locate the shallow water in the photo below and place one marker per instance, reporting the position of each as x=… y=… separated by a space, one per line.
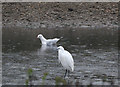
x=94 y=51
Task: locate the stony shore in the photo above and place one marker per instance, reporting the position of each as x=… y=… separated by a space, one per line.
x=58 y=15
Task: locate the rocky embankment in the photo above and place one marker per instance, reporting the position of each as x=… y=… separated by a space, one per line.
x=53 y=15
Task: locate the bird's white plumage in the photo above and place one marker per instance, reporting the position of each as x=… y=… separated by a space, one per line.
x=47 y=41
x=65 y=58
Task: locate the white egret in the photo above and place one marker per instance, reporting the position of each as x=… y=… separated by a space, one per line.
x=66 y=59
x=47 y=41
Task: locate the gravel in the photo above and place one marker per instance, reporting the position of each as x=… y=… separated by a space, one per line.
x=60 y=14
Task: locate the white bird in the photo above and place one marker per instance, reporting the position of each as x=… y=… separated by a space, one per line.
x=66 y=59
x=47 y=41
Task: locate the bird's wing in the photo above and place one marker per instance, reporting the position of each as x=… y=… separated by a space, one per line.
x=67 y=60
x=53 y=40
x=56 y=39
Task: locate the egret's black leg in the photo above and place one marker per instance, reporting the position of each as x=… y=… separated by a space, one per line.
x=68 y=72
x=65 y=73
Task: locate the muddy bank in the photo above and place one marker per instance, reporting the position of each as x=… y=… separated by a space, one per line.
x=53 y=15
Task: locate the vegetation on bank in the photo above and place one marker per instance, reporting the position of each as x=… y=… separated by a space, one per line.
x=60 y=80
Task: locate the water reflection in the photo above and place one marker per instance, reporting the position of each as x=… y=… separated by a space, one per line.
x=46 y=48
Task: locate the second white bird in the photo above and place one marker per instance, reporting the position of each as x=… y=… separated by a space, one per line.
x=47 y=41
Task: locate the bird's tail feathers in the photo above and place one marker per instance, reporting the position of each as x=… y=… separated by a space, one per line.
x=57 y=39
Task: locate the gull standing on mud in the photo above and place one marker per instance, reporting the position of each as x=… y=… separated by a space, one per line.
x=47 y=41
x=66 y=59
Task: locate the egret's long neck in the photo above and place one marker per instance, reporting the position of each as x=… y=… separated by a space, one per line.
x=42 y=39
x=61 y=50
